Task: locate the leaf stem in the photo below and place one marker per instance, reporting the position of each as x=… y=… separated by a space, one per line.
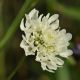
x=18 y=66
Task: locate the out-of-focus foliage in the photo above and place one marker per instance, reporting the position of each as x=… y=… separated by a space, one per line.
x=13 y=63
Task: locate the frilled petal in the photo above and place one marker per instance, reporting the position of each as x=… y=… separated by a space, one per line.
x=55 y=25
x=53 y=18
x=33 y=14
x=59 y=61
x=22 y=25
x=68 y=36
x=66 y=54
x=47 y=16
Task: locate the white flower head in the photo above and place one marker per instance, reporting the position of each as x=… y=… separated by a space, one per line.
x=44 y=38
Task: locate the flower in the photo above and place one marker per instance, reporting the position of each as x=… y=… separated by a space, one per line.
x=44 y=38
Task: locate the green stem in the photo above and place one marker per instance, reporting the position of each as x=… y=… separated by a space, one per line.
x=2 y=52
x=15 y=70
x=14 y=26
x=2 y=65
x=63 y=73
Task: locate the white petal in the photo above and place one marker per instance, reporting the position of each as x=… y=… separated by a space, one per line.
x=22 y=25
x=22 y=44
x=29 y=53
x=50 y=70
x=28 y=22
x=69 y=36
x=33 y=14
x=53 y=18
x=59 y=61
x=40 y=17
x=66 y=53
x=55 y=25
x=43 y=65
x=44 y=20
x=47 y=16
x=52 y=65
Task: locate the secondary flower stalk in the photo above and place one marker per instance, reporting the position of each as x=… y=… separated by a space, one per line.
x=44 y=38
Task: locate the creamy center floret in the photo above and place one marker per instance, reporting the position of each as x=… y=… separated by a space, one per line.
x=43 y=37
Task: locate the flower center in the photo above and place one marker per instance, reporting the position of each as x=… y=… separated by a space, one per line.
x=45 y=39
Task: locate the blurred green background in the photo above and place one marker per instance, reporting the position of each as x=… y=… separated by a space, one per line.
x=13 y=63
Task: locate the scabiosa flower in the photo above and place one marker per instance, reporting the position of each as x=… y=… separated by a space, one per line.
x=44 y=38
